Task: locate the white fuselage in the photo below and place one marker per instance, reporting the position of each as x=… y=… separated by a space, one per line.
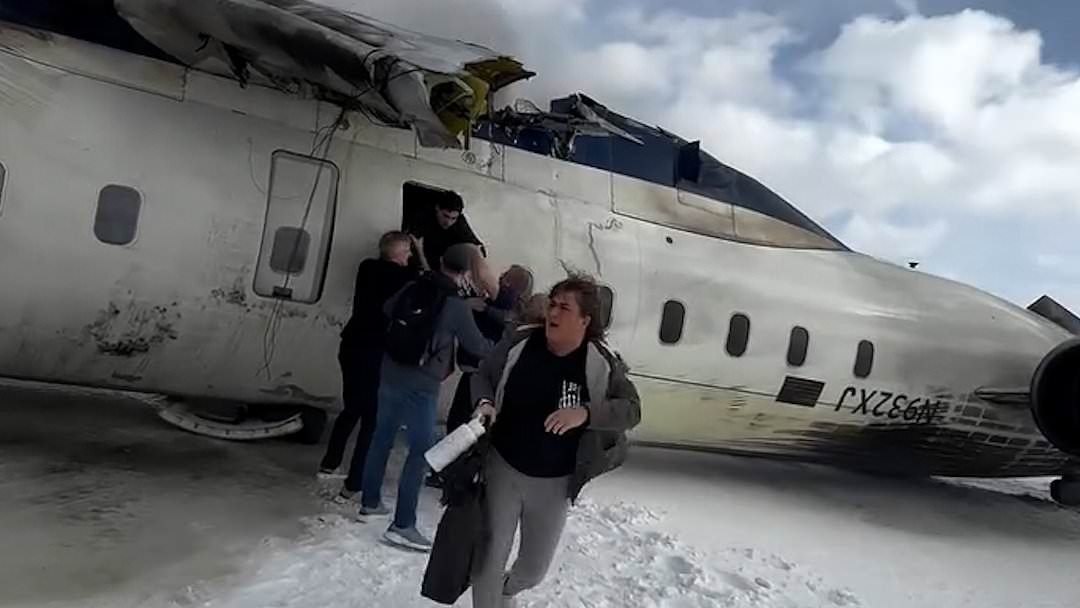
x=177 y=310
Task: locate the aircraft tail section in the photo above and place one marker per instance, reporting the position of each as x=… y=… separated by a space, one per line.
x=1051 y=310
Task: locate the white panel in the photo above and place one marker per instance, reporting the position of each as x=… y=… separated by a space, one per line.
x=391 y=139
x=673 y=208
x=482 y=157
x=258 y=101
x=543 y=173
x=302 y=196
x=703 y=215
x=102 y=63
x=644 y=200
x=755 y=227
x=306 y=114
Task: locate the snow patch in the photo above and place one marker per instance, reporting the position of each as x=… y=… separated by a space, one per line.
x=612 y=555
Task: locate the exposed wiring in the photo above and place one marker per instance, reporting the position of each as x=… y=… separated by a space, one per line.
x=322 y=140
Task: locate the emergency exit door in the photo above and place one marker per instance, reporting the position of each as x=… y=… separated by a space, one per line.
x=300 y=210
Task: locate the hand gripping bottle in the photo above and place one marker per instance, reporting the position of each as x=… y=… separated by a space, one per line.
x=455 y=444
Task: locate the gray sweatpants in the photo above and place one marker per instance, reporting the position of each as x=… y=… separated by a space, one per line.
x=539 y=505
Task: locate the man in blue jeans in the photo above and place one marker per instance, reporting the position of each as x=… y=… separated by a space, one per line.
x=408 y=396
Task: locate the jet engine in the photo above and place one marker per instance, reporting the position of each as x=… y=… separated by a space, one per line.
x=1055 y=397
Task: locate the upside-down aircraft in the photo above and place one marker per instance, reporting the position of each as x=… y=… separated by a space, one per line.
x=186 y=189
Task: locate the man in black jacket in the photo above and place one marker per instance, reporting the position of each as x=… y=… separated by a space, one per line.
x=361 y=353
x=409 y=391
x=444 y=226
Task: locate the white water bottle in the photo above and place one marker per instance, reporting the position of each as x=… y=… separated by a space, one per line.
x=455 y=444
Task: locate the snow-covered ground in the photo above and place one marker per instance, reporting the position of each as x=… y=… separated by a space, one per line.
x=103 y=505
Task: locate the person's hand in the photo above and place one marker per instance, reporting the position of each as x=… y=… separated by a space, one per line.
x=566 y=419
x=486 y=411
x=477 y=304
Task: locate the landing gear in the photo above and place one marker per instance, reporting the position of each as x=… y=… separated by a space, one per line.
x=1066 y=491
x=244 y=422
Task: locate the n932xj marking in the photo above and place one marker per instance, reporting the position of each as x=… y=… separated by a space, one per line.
x=164 y=229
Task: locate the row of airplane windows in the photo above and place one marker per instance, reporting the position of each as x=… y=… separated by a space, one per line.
x=673 y=320
x=116 y=221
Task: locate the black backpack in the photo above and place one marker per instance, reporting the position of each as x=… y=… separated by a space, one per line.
x=413 y=320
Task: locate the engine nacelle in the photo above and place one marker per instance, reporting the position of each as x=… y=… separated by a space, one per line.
x=1055 y=397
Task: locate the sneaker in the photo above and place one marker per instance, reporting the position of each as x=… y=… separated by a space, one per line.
x=325 y=473
x=376 y=511
x=344 y=496
x=409 y=538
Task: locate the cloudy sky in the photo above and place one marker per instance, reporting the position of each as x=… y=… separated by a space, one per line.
x=941 y=131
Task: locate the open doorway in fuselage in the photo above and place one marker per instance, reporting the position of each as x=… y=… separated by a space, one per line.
x=419 y=206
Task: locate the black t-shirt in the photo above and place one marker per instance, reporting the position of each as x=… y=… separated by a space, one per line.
x=376 y=281
x=539 y=384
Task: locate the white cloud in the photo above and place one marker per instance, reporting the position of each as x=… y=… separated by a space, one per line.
x=894 y=242
x=1060 y=264
x=944 y=121
x=569 y=10
x=941 y=70
x=623 y=70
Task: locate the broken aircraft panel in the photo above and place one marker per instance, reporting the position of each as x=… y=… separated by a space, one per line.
x=438 y=87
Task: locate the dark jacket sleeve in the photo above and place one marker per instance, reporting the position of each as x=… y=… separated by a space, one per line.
x=466 y=331
x=465 y=234
x=621 y=408
x=486 y=380
x=391 y=302
x=501 y=316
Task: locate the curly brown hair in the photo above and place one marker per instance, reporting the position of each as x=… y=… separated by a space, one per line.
x=587 y=293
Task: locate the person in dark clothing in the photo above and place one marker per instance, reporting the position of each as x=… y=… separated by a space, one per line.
x=408 y=395
x=560 y=403
x=494 y=317
x=361 y=352
x=445 y=227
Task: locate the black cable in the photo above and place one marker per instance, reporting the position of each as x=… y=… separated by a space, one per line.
x=322 y=137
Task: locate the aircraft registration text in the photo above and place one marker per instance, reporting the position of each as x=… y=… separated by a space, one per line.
x=891 y=406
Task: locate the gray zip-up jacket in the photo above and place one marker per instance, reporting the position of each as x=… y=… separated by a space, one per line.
x=614 y=409
x=455 y=324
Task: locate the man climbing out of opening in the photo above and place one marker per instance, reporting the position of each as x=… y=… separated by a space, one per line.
x=426 y=317
x=361 y=353
x=561 y=404
x=447 y=226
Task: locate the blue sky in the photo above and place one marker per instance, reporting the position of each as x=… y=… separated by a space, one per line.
x=946 y=132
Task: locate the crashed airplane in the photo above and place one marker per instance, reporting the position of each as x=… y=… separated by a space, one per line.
x=186 y=189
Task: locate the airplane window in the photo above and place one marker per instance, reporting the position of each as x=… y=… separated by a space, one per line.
x=607 y=303
x=797 y=346
x=117 y=215
x=864 y=360
x=290 y=250
x=738 y=335
x=672 y=321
